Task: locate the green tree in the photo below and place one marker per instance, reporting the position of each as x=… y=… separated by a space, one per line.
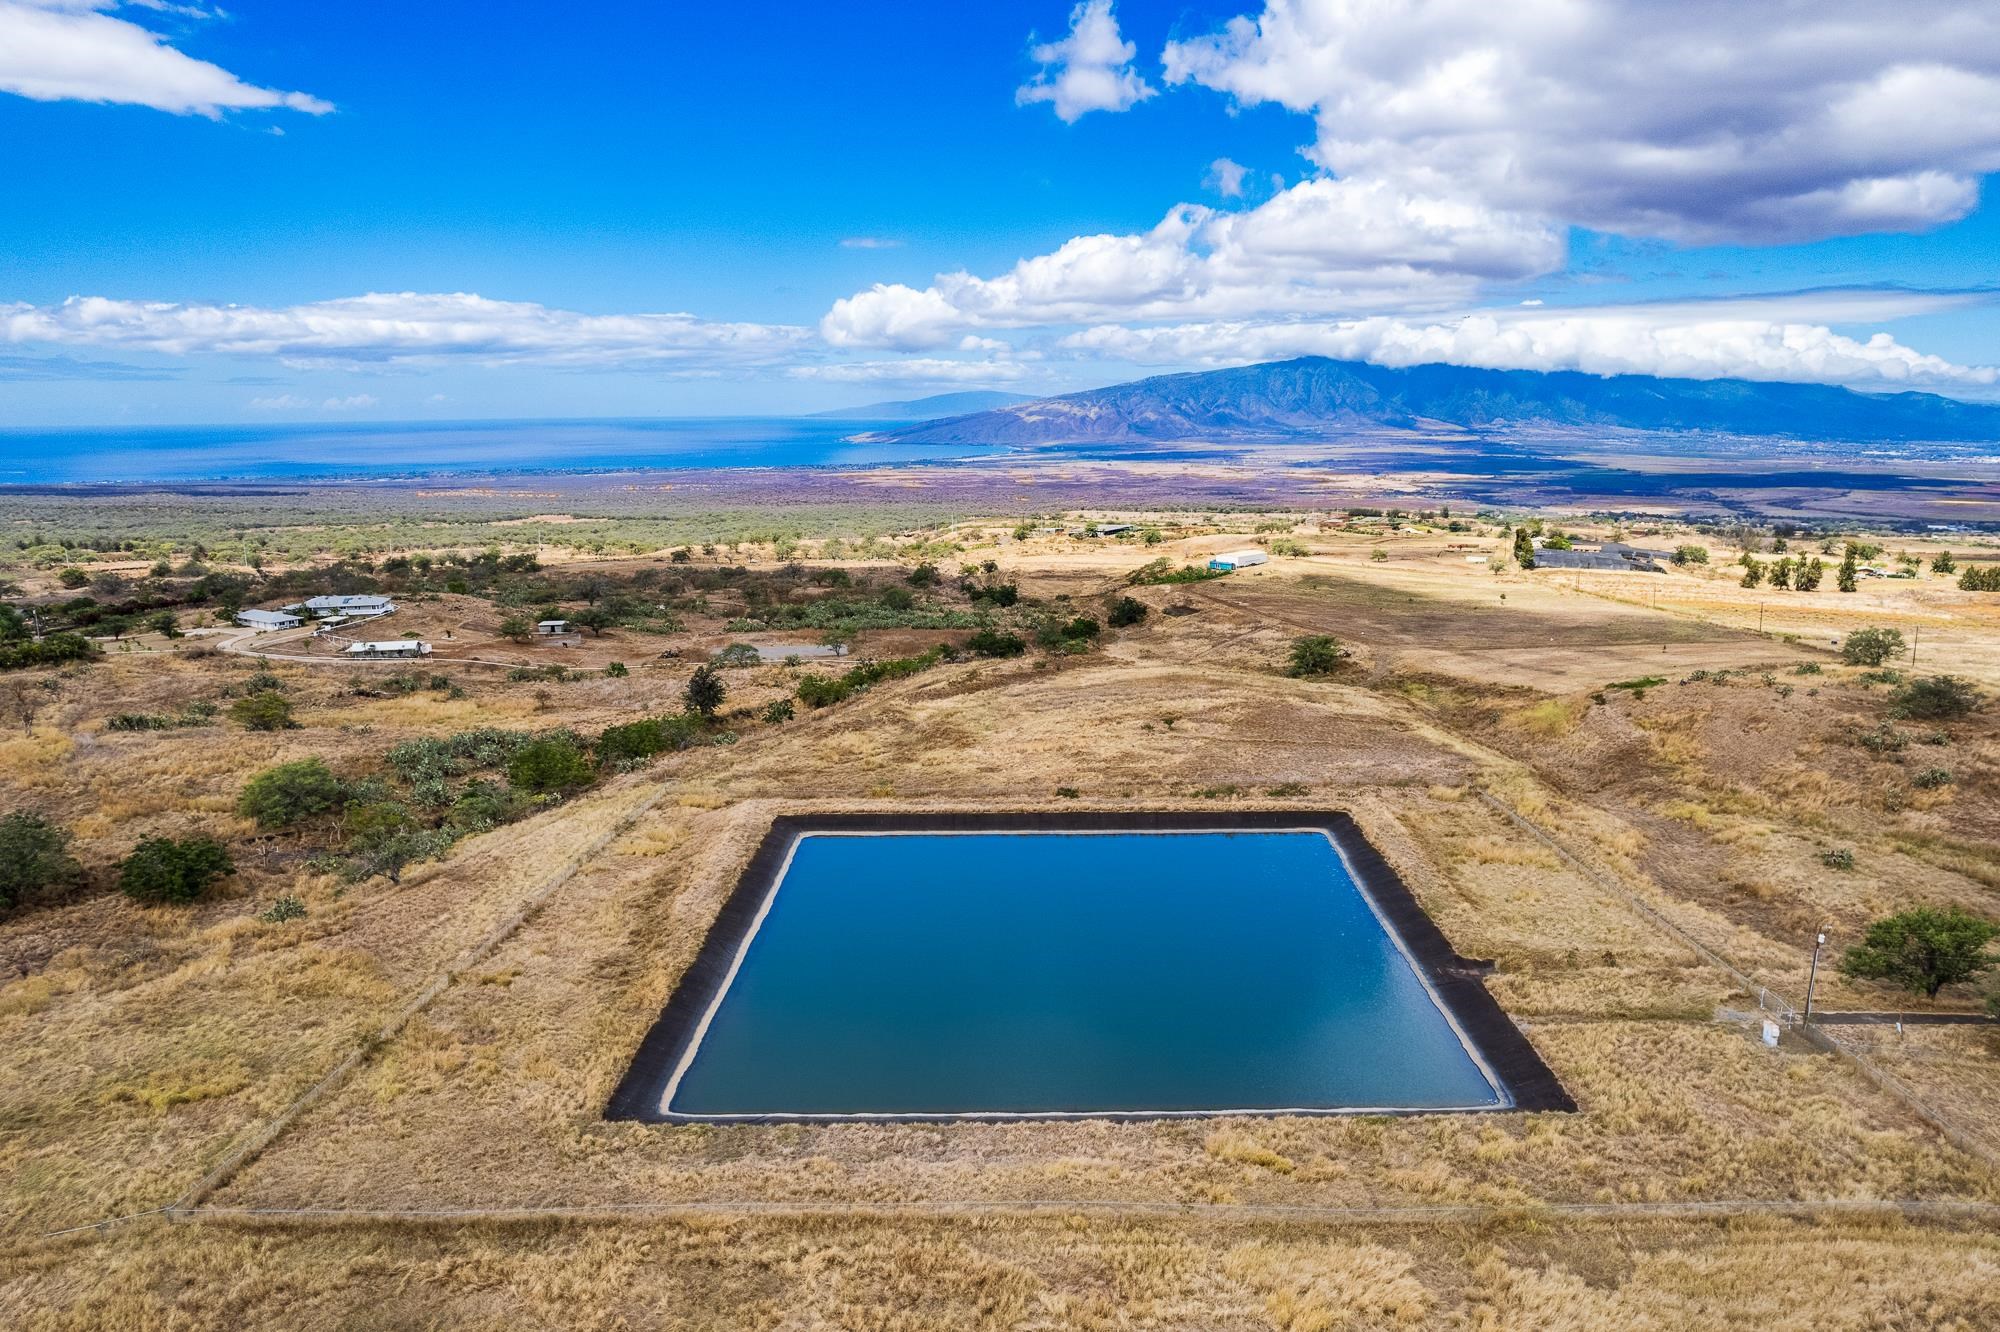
x=1806 y=577
x=73 y=578
x=1316 y=654
x=994 y=643
x=1924 y=950
x=161 y=869
x=1753 y=571
x=164 y=623
x=552 y=763
x=1943 y=563
x=34 y=858
x=924 y=575
x=1685 y=555
x=1871 y=647
x=779 y=710
x=291 y=793
x=517 y=628
x=1524 y=548
x=705 y=691
x=594 y=618
x=1845 y=579
x=267 y=710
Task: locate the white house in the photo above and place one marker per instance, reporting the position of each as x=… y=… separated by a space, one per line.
x=354 y=607
x=1238 y=559
x=552 y=627
x=395 y=647
x=263 y=619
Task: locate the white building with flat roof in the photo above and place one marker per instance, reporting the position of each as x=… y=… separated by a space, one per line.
x=263 y=619
x=356 y=606
x=1238 y=559
x=395 y=647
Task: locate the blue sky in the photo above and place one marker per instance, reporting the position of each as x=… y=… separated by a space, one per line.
x=288 y=212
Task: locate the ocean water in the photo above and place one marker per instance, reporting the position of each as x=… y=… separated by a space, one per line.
x=329 y=452
x=1024 y=972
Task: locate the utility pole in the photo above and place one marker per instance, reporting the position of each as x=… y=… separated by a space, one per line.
x=1812 y=977
x=1916 y=637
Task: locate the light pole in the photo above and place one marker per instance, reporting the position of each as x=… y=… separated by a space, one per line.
x=1812 y=977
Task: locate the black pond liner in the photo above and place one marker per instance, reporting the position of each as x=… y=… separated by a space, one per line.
x=1458 y=981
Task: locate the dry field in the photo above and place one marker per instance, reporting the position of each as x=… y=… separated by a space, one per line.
x=1705 y=1182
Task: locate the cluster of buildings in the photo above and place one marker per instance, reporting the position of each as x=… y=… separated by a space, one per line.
x=327 y=612
x=1612 y=557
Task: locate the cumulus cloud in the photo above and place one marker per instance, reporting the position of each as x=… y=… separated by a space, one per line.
x=75 y=50
x=1678 y=341
x=1701 y=121
x=1322 y=246
x=404 y=328
x=1089 y=70
x=1226 y=177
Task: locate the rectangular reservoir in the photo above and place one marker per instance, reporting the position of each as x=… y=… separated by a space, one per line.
x=1007 y=972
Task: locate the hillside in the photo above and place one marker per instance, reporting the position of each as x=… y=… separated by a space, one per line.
x=1314 y=396
x=926 y=409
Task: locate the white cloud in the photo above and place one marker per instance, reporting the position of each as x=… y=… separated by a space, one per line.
x=1700 y=120
x=292 y=402
x=1678 y=341
x=915 y=370
x=870 y=243
x=404 y=328
x=1089 y=70
x=1226 y=177
x=1324 y=246
x=71 y=50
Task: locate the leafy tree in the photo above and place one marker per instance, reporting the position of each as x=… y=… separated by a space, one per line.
x=73 y=578
x=1685 y=555
x=164 y=623
x=705 y=691
x=1943 y=563
x=1923 y=950
x=1845 y=580
x=291 y=793
x=1753 y=571
x=1781 y=572
x=267 y=710
x=549 y=764
x=1315 y=655
x=1980 y=578
x=594 y=618
x=161 y=869
x=1871 y=647
x=1082 y=627
x=924 y=575
x=1127 y=611
x=34 y=858
x=1524 y=548
x=1557 y=539
x=1806 y=577
x=1935 y=698
x=617 y=670
x=517 y=628
x=779 y=710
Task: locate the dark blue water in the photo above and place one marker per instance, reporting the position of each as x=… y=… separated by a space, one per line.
x=1079 y=972
x=207 y=453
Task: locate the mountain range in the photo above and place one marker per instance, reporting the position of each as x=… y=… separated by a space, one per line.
x=1314 y=397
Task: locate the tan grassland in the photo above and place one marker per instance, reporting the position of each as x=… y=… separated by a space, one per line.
x=1706 y=1181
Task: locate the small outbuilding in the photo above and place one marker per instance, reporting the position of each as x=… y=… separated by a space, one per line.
x=552 y=628
x=263 y=619
x=354 y=607
x=1238 y=559
x=395 y=647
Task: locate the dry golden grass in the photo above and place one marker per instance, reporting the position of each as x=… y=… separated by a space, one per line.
x=141 y=1043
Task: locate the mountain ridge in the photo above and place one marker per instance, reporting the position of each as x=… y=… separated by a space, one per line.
x=1313 y=396
x=927 y=409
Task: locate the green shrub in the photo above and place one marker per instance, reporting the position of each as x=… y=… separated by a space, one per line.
x=268 y=711
x=996 y=643
x=1316 y=655
x=34 y=858
x=632 y=741
x=1686 y=555
x=1082 y=627
x=819 y=691
x=617 y=670
x=291 y=793
x=53 y=650
x=778 y=710
x=1871 y=647
x=161 y=869
x=1127 y=611
x=1932 y=778
x=1162 y=572
x=482 y=805
x=1935 y=698
x=1980 y=578
x=283 y=909
x=1840 y=859
x=549 y=765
